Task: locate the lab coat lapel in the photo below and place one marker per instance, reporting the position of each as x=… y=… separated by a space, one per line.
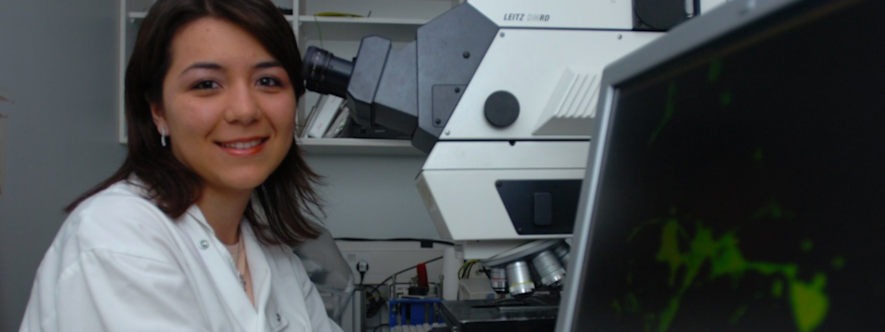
x=219 y=268
x=260 y=271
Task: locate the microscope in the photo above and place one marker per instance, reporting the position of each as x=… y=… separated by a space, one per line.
x=500 y=94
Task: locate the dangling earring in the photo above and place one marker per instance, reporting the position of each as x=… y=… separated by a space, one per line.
x=163 y=136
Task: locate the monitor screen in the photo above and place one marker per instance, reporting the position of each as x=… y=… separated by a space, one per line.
x=742 y=184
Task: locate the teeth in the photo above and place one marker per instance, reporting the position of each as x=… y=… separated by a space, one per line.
x=242 y=145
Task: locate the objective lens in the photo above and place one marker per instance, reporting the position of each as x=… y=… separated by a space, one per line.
x=562 y=253
x=519 y=278
x=549 y=269
x=498 y=278
x=324 y=73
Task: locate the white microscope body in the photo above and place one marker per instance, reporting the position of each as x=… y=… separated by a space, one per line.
x=501 y=94
x=549 y=55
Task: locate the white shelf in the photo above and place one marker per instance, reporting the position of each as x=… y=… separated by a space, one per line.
x=357 y=146
x=360 y=20
x=141 y=15
x=355 y=28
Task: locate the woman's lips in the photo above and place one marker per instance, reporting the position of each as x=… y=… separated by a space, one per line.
x=243 y=147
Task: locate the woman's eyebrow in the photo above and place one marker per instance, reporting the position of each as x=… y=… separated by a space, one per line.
x=201 y=65
x=268 y=64
x=215 y=66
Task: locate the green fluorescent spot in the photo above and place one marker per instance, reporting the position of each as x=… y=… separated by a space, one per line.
x=773 y=210
x=725 y=98
x=669 y=251
x=631 y=303
x=777 y=289
x=807 y=245
x=668 y=112
x=736 y=316
x=715 y=69
x=639 y=228
x=730 y=261
x=723 y=257
x=668 y=314
x=838 y=262
x=809 y=302
x=649 y=322
x=758 y=154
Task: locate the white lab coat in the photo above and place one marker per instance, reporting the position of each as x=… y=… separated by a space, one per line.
x=119 y=264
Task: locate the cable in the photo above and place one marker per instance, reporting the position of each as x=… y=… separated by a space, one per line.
x=464 y=272
x=362 y=267
x=374 y=307
x=406 y=269
x=319 y=32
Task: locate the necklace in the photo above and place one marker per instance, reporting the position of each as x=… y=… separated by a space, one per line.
x=235 y=251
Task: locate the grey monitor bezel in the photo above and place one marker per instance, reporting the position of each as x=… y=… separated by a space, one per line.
x=682 y=40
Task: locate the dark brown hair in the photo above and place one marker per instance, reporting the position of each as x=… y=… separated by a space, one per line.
x=286 y=196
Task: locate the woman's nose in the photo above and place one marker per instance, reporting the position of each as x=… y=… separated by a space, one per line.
x=242 y=107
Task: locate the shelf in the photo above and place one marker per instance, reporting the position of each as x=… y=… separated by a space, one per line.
x=357 y=146
x=355 y=28
x=142 y=15
x=360 y=20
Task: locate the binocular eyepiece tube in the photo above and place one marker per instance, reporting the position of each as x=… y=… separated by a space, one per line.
x=324 y=73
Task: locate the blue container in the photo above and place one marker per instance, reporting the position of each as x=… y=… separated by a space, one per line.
x=414 y=311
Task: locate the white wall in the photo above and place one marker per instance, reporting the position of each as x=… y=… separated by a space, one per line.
x=59 y=59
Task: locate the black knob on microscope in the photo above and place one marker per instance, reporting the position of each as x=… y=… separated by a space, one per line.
x=501 y=109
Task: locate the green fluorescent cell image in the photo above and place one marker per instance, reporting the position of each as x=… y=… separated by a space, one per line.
x=669 y=109
x=777 y=289
x=838 y=262
x=738 y=314
x=696 y=255
x=715 y=70
x=726 y=98
x=810 y=303
x=807 y=245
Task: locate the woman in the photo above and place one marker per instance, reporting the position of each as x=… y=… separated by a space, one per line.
x=194 y=231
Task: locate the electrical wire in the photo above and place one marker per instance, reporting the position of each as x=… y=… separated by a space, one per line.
x=319 y=31
x=464 y=271
x=406 y=269
x=375 y=305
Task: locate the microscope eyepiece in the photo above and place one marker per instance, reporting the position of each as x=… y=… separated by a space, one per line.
x=324 y=73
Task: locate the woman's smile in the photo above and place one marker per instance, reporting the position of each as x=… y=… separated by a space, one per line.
x=243 y=147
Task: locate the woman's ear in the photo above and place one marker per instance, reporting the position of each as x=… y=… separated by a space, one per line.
x=159 y=117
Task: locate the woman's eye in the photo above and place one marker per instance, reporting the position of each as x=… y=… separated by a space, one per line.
x=268 y=81
x=205 y=85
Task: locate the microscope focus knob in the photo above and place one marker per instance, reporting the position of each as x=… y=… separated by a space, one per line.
x=501 y=109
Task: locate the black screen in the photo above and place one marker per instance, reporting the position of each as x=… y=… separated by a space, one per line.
x=743 y=184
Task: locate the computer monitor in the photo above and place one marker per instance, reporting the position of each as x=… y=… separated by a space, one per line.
x=736 y=179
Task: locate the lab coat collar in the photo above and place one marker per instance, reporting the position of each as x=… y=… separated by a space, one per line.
x=217 y=260
x=259 y=270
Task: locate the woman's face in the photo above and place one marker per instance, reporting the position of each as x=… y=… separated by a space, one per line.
x=228 y=106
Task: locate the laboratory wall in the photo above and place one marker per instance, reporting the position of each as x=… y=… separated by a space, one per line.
x=58 y=65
